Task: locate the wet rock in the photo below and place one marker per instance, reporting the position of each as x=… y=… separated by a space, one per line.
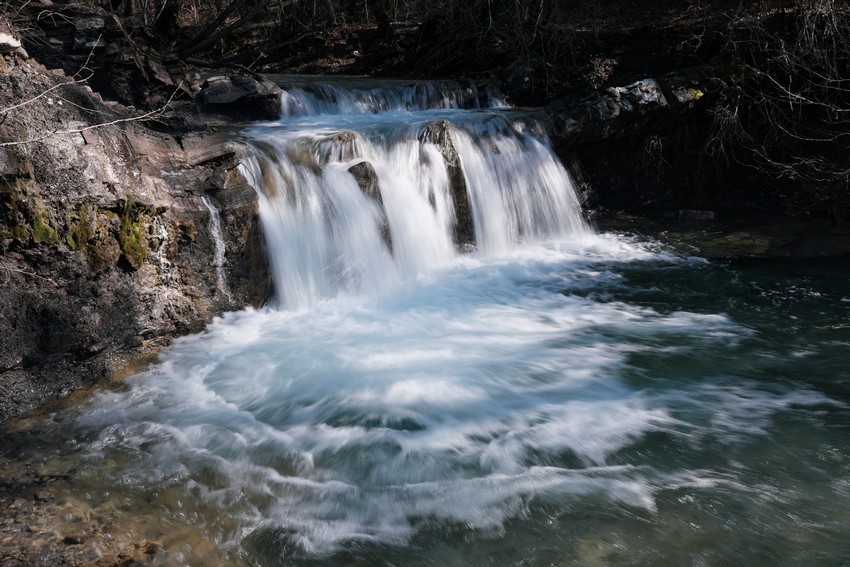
x=105 y=245
x=339 y=147
x=140 y=553
x=367 y=180
x=440 y=134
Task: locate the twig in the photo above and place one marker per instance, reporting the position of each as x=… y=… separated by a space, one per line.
x=43 y=94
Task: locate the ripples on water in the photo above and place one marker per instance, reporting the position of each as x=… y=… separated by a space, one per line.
x=591 y=402
x=575 y=399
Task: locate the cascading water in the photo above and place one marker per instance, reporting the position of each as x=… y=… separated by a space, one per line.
x=220 y=250
x=354 y=203
x=456 y=371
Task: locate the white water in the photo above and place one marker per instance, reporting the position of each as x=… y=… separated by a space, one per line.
x=327 y=236
x=220 y=249
x=318 y=98
x=400 y=389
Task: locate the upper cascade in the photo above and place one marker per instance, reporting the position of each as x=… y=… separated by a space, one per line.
x=364 y=185
x=355 y=96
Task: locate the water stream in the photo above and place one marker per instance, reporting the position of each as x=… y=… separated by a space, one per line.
x=456 y=370
x=220 y=249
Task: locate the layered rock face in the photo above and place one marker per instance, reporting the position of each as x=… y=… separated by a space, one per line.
x=107 y=245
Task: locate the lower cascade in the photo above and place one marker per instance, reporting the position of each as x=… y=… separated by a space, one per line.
x=456 y=370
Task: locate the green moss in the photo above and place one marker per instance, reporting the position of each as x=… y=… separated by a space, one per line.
x=698 y=94
x=42 y=232
x=22 y=211
x=131 y=235
x=79 y=237
x=20 y=232
x=93 y=234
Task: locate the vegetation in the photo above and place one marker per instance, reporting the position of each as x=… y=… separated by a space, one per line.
x=131 y=235
x=42 y=232
x=787 y=109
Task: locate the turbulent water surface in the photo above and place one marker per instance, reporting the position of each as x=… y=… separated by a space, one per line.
x=549 y=396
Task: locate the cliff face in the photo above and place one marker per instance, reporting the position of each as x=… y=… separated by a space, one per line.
x=107 y=249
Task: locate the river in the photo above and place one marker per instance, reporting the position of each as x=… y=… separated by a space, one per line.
x=518 y=391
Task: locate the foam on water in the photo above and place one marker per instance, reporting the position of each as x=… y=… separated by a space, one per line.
x=463 y=398
x=360 y=416
x=398 y=389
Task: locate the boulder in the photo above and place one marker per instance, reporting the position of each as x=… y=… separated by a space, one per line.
x=440 y=134
x=367 y=180
x=641 y=96
x=241 y=96
x=339 y=147
x=618 y=112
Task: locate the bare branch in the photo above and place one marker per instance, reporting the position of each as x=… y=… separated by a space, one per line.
x=43 y=94
x=146 y=116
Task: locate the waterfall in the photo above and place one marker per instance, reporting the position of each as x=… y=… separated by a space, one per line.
x=352 y=96
x=362 y=187
x=462 y=373
x=215 y=232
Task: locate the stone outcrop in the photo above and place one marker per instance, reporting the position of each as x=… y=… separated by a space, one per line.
x=106 y=250
x=367 y=179
x=638 y=147
x=242 y=97
x=440 y=134
x=616 y=112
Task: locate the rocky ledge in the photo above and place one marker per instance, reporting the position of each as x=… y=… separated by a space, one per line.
x=109 y=221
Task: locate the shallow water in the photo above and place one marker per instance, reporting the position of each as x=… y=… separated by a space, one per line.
x=600 y=401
